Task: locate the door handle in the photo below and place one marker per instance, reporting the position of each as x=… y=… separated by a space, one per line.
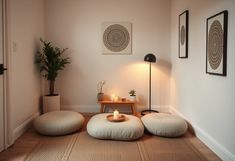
x=2 y=69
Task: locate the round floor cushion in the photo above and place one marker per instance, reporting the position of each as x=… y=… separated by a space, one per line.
x=58 y=123
x=130 y=129
x=163 y=124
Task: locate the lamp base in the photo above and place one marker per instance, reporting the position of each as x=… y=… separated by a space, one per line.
x=145 y=112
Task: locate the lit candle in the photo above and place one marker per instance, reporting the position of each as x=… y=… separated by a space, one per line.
x=113 y=97
x=116 y=98
x=115 y=114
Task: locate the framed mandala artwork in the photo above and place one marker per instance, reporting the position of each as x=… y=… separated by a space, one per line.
x=183 y=35
x=216 y=44
x=116 y=38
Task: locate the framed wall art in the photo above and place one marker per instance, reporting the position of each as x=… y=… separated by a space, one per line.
x=183 y=35
x=117 y=38
x=216 y=44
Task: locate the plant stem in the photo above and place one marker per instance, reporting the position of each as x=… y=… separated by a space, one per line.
x=52 y=84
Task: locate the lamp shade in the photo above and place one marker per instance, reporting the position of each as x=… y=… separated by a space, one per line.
x=150 y=58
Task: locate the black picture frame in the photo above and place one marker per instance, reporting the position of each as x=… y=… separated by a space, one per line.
x=216 y=44
x=183 y=35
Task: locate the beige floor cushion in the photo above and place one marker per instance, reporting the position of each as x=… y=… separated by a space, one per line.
x=163 y=124
x=130 y=129
x=58 y=123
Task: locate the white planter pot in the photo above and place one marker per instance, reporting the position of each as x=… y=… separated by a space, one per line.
x=133 y=98
x=51 y=103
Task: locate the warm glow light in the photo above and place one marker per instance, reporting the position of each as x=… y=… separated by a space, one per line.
x=115 y=114
x=135 y=75
x=116 y=98
x=112 y=97
x=133 y=70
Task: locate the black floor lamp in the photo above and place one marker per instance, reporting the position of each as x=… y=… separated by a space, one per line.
x=151 y=59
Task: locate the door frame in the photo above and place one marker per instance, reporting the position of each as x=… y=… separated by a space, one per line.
x=5 y=75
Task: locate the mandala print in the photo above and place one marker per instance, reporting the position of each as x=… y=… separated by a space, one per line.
x=116 y=38
x=215 y=44
x=182 y=35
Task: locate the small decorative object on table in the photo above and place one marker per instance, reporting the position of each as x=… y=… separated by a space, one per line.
x=132 y=95
x=116 y=117
x=100 y=94
x=114 y=98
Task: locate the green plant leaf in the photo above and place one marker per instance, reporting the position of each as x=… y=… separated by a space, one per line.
x=50 y=60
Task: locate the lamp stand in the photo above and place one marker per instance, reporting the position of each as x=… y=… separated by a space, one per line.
x=144 y=112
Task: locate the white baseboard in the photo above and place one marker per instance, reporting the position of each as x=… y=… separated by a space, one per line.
x=96 y=108
x=161 y=108
x=220 y=150
x=22 y=128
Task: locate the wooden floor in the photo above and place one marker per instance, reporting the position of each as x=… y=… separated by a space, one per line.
x=25 y=144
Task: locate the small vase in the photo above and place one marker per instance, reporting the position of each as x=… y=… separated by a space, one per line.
x=133 y=98
x=100 y=96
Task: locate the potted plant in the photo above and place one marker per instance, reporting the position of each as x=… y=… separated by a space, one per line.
x=50 y=60
x=100 y=94
x=132 y=95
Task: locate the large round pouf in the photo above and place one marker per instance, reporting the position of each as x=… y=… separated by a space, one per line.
x=163 y=124
x=130 y=129
x=58 y=123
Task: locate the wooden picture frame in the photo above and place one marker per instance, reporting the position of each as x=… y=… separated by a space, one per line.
x=216 y=44
x=183 y=35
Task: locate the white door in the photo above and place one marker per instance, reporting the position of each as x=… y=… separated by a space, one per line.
x=1 y=81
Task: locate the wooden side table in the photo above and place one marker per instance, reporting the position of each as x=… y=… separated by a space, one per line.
x=103 y=105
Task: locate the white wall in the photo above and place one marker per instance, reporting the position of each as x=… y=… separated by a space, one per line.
x=206 y=100
x=26 y=26
x=76 y=24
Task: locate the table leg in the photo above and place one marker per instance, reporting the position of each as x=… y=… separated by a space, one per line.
x=101 y=108
x=133 y=109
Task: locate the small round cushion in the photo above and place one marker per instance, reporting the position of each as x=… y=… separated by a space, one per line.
x=163 y=124
x=101 y=128
x=58 y=122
